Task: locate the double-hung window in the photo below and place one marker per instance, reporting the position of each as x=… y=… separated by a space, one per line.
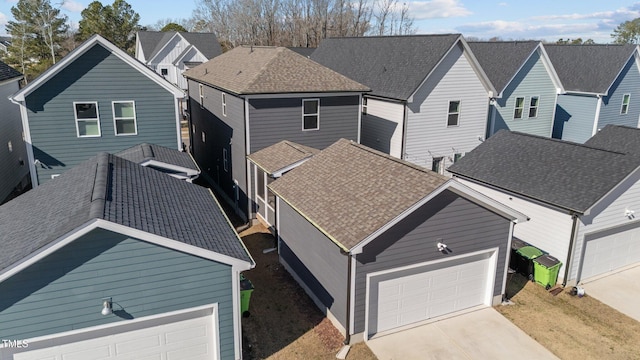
x=310 y=114
x=224 y=104
x=201 y=94
x=453 y=116
x=533 y=106
x=87 y=119
x=124 y=117
x=519 y=108
x=625 y=104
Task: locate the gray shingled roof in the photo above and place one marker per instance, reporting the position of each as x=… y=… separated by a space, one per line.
x=565 y=174
x=500 y=60
x=145 y=152
x=392 y=66
x=281 y=155
x=270 y=70
x=304 y=51
x=154 y=41
x=618 y=138
x=113 y=189
x=588 y=68
x=7 y=72
x=349 y=190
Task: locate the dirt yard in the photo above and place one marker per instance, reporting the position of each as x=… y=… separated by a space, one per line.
x=284 y=323
x=569 y=326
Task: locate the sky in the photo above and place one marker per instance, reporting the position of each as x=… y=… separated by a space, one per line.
x=547 y=20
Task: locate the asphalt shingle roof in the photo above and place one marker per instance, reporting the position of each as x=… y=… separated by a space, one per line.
x=349 y=190
x=618 y=138
x=568 y=175
x=117 y=190
x=588 y=68
x=501 y=59
x=145 y=152
x=153 y=41
x=392 y=66
x=281 y=155
x=270 y=70
x=7 y=72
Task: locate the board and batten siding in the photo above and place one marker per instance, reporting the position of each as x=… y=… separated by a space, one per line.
x=221 y=132
x=272 y=120
x=548 y=229
x=382 y=127
x=99 y=76
x=628 y=82
x=64 y=291
x=315 y=261
x=12 y=170
x=427 y=133
x=533 y=79
x=575 y=117
x=461 y=224
x=609 y=213
x=165 y=58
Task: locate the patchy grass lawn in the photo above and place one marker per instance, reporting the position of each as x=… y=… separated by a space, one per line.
x=569 y=326
x=284 y=322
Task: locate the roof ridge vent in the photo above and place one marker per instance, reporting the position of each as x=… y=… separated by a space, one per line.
x=147 y=151
x=100 y=183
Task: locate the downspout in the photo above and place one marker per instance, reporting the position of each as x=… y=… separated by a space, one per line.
x=347 y=338
x=574 y=234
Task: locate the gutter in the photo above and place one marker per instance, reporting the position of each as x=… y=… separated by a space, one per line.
x=574 y=235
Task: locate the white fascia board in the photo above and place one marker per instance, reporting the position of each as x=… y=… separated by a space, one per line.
x=513 y=76
x=546 y=61
x=280 y=172
x=168 y=166
x=632 y=56
x=633 y=173
x=8 y=81
x=24 y=114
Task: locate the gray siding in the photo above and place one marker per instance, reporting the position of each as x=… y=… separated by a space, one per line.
x=575 y=117
x=315 y=259
x=628 y=82
x=275 y=119
x=464 y=226
x=222 y=132
x=532 y=80
x=98 y=76
x=63 y=291
x=14 y=163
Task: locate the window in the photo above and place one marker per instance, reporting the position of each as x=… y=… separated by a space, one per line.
x=87 y=119
x=364 y=106
x=201 y=93
x=533 y=106
x=436 y=165
x=224 y=104
x=260 y=184
x=124 y=117
x=625 y=104
x=10 y=146
x=164 y=72
x=204 y=138
x=454 y=113
x=310 y=114
x=519 y=108
x=193 y=128
x=225 y=161
x=456 y=157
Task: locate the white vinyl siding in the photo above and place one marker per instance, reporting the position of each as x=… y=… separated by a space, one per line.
x=382 y=127
x=87 y=117
x=124 y=117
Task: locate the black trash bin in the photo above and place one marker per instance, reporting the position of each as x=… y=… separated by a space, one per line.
x=526 y=254
x=516 y=244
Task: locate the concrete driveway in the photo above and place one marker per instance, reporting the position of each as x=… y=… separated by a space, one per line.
x=482 y=334
x=621 y=291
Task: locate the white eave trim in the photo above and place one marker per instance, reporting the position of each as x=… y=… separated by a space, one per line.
x=164 y=165
x=165 y=45
x=551 y=69
x=72 y=56
x=634 y=54
x=588 y=211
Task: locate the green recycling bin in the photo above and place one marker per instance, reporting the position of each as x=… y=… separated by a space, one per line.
x=546 y=269
x=526 y=254
x=246 y=288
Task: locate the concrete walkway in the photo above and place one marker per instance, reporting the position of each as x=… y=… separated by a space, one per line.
x=621 y=291
x=482 y=334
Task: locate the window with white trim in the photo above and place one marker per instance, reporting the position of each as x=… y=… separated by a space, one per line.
x=624 y=109
x=201 y=94
x=364 y=106
x=164 y=72
x=310 y=114
x=436 y=165
x=519 y=108
x=453 y=115
x=225 y=160
x=87 y=119
x=533 y=106
x=224 y=104
x=124 y=117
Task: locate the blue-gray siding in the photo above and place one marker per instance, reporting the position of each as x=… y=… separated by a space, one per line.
x=13 y=163
x=628 y=82
x=98 y=76
x=533 y=79
x=63 y=291
x=275 y=119
x=464 y=226
x=315 y=259
x=575 y=117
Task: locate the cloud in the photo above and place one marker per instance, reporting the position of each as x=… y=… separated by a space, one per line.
x=622 y=14
x=523 y=30
x=503 y=4
x=72 y=6
x=437 y=9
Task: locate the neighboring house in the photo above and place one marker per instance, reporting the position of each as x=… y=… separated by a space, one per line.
x=304 y=51
x=526 y=84
x=602 y=84
x=269 y=164
x=115 y=260
x=429 y=96
x=252 y=97
x=379 y=243
x=14 y=173
x=97 y=98
x=581 y=198
x=5 y=42
x=178 y=164
x=170 y=53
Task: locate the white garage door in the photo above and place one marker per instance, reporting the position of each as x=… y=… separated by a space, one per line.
x=191 y=339
x=610 y=251
x=434 y=291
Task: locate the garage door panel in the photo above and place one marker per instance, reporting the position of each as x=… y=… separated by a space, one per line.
x=610 y=250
